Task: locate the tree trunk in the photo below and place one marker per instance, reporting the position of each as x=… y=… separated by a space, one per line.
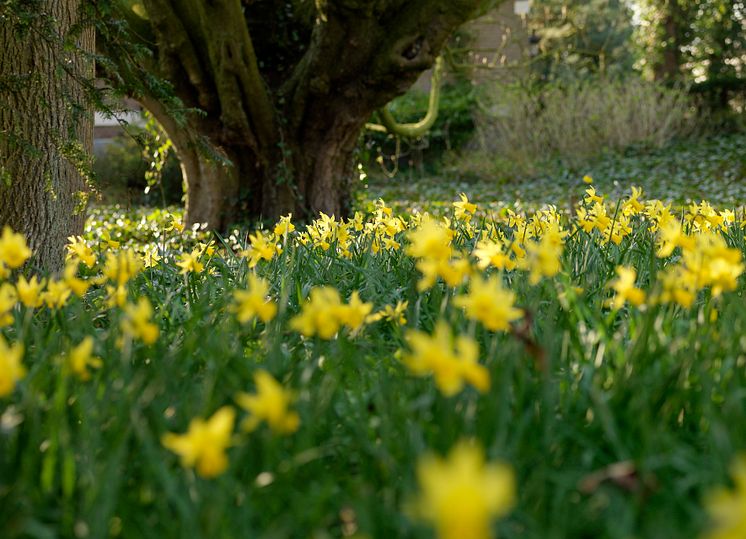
x=321 y=159
x=325 y=162
x=222 y=189
x=46 y=130
x=669 y=66
x=314 y=174
x=211 y=182
x=289 y=121
x=212 y=189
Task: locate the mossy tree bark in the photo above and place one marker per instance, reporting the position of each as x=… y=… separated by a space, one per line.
x=46 y=129
x=285 y=93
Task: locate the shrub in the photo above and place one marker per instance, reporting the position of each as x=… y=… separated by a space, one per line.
x=574 y=122
x=120 y=172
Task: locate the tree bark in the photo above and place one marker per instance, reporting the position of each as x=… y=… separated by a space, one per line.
x=46 y=131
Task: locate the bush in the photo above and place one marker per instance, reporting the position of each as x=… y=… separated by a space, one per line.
x=574 y=122
x=120 y=172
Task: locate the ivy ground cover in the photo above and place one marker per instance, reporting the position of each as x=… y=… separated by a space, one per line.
x=479 y=374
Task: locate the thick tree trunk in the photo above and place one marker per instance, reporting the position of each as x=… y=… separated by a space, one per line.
x=289 y=124
x=211 y=181
x=220 y=193
x=325 y=162
x=313 y=175
x=44 y=143
x=212 y=189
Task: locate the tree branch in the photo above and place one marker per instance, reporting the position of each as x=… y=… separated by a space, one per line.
x=177 y=52
x=417 y=129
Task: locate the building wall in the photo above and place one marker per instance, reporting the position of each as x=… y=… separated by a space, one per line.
x=106 y=129
x=499 y=41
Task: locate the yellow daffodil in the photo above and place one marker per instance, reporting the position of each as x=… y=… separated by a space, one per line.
x=324 y=313
x=122 y=266
x=30 y=291
x=262 y=247
x=77 y=248
x=150 y=257
x=319 y=314
x=110 y=243
x=542 y=259
x=205 y=443
x=254 y=301
x=78 y=286
x=703 y=217
x=189 y=262
x=11 y=368
x=584 y=220
x=712 y=263
x=464 y=208
x=353 y=314
x=207 y=249
x=175 y=225
x=56 y=294
x=430 y=240
x=451 y=366
x=678 y=285
x=624 y=286
x=633 y=206
x=671 y=236
x=13 y=249
x=391 y=313
x=8 y=299
x=727 y=507
x=598 y=217
x=617 y=230
x=270 y=403
x=491 y=253
x=81 y=357
x=591 y=196
x=116 y=296
x=489 y=303
x=452 y=271
x=284 y=226
x=137 y=321
x=461 y=495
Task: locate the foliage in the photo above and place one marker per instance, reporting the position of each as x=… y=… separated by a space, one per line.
x=699 y=41
x=608 y=398
x=688 y=170
x=121 y=172
x=141 y=226
x=577 y=121
x=156 y=150
x=581 y=38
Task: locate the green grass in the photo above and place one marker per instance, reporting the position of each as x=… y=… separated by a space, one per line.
x=711 y=168
x=662 y=388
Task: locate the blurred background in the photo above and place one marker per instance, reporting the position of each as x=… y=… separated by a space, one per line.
x=536 y=94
